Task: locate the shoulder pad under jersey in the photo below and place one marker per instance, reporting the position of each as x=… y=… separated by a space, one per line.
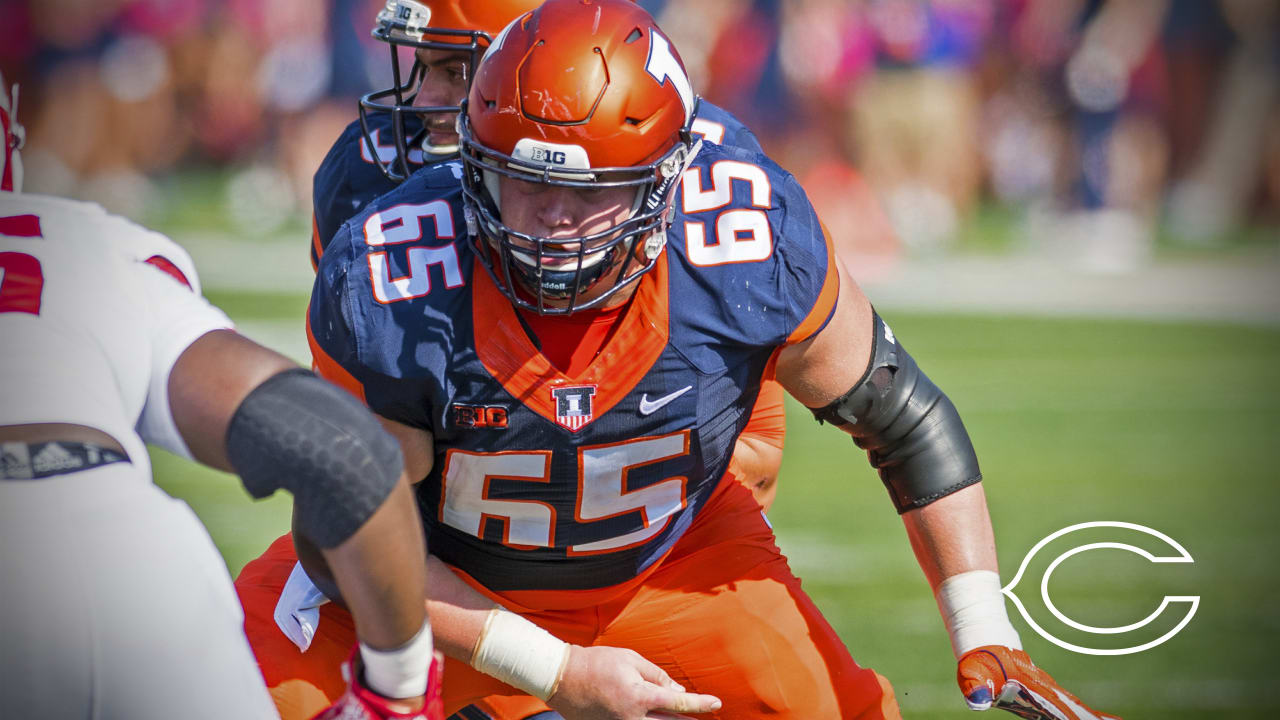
x=348 y=179
x=719 y=126
x=382 y=309
x=751 y=247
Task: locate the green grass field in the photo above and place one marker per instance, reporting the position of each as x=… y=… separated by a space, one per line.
x=1172 y=426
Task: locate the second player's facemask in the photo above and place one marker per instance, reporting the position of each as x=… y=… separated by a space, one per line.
x=407 y=23
x=556 y=276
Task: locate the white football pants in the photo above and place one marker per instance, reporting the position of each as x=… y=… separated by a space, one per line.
x=115 y=604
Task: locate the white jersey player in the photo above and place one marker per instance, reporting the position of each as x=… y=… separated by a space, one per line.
x=115 y=601
x=95 y=311
x=90 y=332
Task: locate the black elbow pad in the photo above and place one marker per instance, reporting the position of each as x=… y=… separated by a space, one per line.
x=911 y=431
x=303 y=434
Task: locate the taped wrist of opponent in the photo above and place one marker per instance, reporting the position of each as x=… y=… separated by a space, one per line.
x=520 y=654
x=972 y=607
x=400 y=673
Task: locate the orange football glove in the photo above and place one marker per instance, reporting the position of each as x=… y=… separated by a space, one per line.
x=1001 y=677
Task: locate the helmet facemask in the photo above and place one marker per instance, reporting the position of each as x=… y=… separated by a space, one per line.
x=551 y=275
x=404 y=23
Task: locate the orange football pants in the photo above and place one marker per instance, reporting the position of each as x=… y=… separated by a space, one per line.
x=721 y=614
x=757 y=458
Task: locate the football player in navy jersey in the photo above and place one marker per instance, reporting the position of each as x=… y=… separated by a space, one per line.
x=567 y=330
x=388 y=142
x=400 y=130
x=412 y=123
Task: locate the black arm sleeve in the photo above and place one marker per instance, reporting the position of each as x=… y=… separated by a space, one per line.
x=305 y=435
x=911 y=431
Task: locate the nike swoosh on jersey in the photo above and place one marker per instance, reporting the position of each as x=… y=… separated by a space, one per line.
x=648 y=407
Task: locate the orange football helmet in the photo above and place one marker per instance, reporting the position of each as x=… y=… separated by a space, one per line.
x=438 y=25
x=579 y=94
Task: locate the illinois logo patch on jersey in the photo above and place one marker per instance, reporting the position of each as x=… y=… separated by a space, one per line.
x=573 y=405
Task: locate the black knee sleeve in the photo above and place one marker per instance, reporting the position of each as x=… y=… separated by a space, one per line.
x=911 y=431
x=300 y=433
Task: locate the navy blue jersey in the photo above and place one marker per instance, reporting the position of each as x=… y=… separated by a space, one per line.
x=717 y=125
x=348 y=179
x=545 y=481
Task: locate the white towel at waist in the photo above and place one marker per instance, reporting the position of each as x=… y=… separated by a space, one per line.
x=298 y=610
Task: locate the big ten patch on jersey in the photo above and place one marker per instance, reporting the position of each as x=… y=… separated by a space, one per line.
x=549 y=481
x=349 y=179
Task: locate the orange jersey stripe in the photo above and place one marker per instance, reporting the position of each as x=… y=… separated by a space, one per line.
x=315 y=244
x=826 y=302
x=329 y=369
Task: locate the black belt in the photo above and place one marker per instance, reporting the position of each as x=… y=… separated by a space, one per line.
x=32 y=461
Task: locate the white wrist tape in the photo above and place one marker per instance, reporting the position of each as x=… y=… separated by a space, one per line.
x=973 y=609
x=520 y=654
x=399 y=673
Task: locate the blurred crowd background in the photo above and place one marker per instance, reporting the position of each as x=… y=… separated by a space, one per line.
x=1097 y=131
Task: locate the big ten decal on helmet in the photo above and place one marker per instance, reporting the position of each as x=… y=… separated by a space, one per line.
x=583 y=99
